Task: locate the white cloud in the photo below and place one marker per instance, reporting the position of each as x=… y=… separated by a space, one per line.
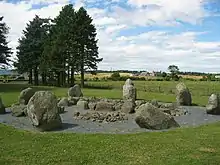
x=150 y=50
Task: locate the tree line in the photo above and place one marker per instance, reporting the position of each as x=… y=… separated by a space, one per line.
x=5 y=51
x=57 y=48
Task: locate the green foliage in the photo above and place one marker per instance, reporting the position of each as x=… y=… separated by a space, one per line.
x=164 y=74
x=174 y=70
x=5 y=51
x=115 y=76
x=58 y=48
x=30 y=48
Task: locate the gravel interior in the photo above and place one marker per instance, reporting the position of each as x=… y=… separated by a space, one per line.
x=197 y=116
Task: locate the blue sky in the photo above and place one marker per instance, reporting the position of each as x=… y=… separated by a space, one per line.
x=138 y=34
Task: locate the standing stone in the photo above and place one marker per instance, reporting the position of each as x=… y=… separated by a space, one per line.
x=25 y=96
x=150 y=117
x=128 y=106
x=75 y=91
x=2 y=107
x=213 y=106
x=183 y=96
x=43 y=111
x=129 y=91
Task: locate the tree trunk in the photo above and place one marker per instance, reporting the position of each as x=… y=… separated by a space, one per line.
x=64 y=77
x=30 y=81
x=44 y=80
x=68 y=75
x=82 y=67
x=58 y=78
x=72 y=76
x=36 y=81
x=82 y=74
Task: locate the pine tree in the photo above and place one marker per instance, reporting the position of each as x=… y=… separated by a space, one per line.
x=86 y=38
x=31 y=47
x=5 y=51
x=62 y=51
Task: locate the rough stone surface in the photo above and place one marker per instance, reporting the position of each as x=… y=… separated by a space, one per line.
x=168 y=105
x=213 y=106
x=43 y=111
x=183 y=96
x=61 y=109
x=25 y=96
x=63 y=102
x=82 y=104
x=2 y=107
x=92 y=105
x=75 y=91
x=104 y=106
x=155 y=103
x=150 y=117
x=101 y=116
x=129 y=91
x=19 y=110
x=73 y=100
x=128 y=106
x=118 y=105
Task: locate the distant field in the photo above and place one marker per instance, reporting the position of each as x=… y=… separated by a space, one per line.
x=191 y=76
x=102 y=75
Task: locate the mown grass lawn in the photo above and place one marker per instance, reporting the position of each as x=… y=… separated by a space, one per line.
x=188 y=146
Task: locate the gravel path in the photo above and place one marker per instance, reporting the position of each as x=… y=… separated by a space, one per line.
x=197 y=116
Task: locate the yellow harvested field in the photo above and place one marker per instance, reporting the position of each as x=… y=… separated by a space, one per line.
x=191 y=76
x=101 y=75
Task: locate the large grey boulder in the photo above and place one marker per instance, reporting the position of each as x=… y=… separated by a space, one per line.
x=43 y=111
x=2 y=107
x=25 y=96
x=18 y=110
x=183 y=96
x=104 y=106
x=129 y=91
x=75 y=91
x=213 y=106
x=150 y=117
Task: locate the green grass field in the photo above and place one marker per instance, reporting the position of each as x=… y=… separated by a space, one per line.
x=185 y=146
x=162 y=91
x=189 y=146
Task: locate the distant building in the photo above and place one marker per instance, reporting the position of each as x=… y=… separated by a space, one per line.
x=217 y=76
